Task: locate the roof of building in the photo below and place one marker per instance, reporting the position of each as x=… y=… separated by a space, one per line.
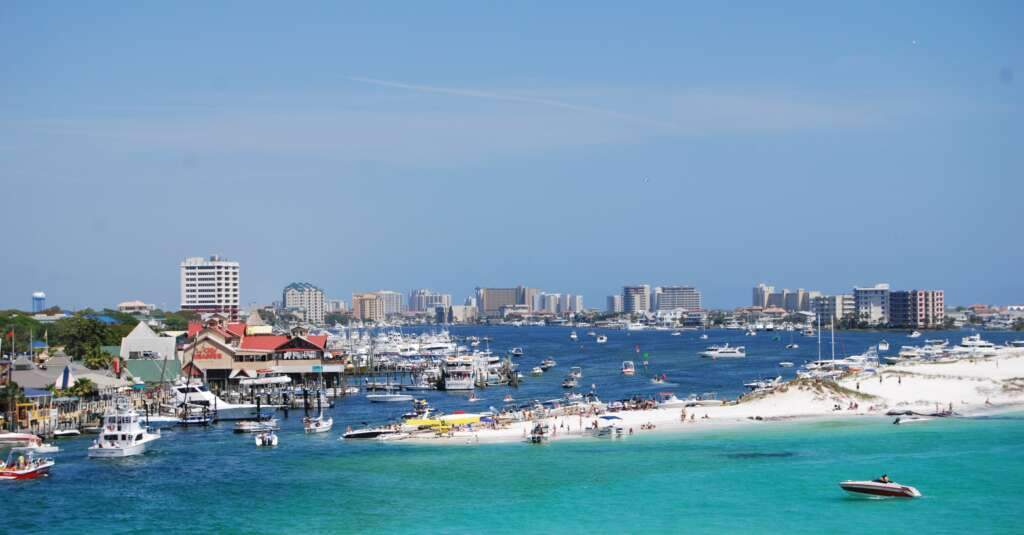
x=274 y=341
x=153 y=370
x=300 y=286
x=237 y=329
x=39 y=378
x=142 y=331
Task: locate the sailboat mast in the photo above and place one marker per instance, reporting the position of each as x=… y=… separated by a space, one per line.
x=832 y=331
x=819 y=337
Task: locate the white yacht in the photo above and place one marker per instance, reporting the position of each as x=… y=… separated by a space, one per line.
x=458 y=373
x=198 y=394
x=724 y=351
x=973 y=345
x=122 y=435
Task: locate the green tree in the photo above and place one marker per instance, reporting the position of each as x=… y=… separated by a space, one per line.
x=178 y=321
x=23 y=326
x=97 y=359
x=11 y=391
x=79 y=335
x=83 y=388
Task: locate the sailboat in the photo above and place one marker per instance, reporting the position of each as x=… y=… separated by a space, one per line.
x=320 y=424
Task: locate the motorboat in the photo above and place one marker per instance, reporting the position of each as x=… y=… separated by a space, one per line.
x=883 y=345
x=879 y=488
x=537 y=371
x=569 y=382
x=609 y=426
x=573 y=336
x=677 y=333
x=547 y=364
x=539 y=434
x=193 y=419
x=707 y=399
x=591 y=333
x=903 y=420
x=601 y=339
x=18 y=439
x=516 y=352
x=724 y=351
x=472 y=398
x=388 y=397
x=266 y=439
x=66 y=432
x=21 y=466
x=628 y=368
x=704 y=336
x=786 y=364
x=256 y=426
x=792 y=346
x=508 y=399
x=40 y=447
x=764 y=384
x=668 y=400
x=915 y=334
x=370 y=433
x=155 y=421
x=319 y=424
x=576 y=372
x=123 y=435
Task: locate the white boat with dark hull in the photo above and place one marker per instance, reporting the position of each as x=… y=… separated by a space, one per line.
x=880 y=488
x=122 y=434
x=388 y=397
x=378 y=433
x=724 y=351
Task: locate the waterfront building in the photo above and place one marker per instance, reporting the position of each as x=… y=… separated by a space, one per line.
x=425 y=300
x=547 y=303
x=614 y=304
x=761 y=293
x=655 y=297
x=210 y=285
x=307 y=298
x=916 y=309
x=335 y=306
x=455 y=314
x=832 y=306
x=636 y=299
x=135 y=307
x=368 y=307
x=571 y=304
x=394 y=302
x=872 y=304
x=673 y=297
x=38 y=302
x=470 y=301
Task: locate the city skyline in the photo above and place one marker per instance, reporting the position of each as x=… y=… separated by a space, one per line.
x=714 y=146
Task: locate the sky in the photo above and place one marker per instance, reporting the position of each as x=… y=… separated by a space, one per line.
x=574 y=147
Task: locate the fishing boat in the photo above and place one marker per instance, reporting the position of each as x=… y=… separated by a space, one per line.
x=880 y=488
x=601 y=339
x=266 y=439
x=122 y=435
x=573 y=336
x=24 y=467
x=628 y=368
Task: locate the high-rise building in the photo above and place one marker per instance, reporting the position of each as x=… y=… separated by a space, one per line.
x=614 y=304
x=425 y=300
x=571 y=304
x=761 y=293
x=872 y=304
x=652 y=305
x=547 y=303
x=795 y=301
x=210 y=285
x=38 y=302
x=916 y=309
x=826 y=307
x=673 y=297
x=335 y=306
x=636 y=299
x=490 y=301
x=308 y=298
x=394 y=303
x=368 y=307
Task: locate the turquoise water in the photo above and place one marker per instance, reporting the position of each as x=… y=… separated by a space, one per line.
x=761 y=478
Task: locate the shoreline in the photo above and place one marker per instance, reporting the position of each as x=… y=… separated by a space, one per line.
x=968 y=388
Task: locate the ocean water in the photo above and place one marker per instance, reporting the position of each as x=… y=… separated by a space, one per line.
x=762 y=478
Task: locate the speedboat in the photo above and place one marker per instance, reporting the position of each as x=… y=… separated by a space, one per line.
x=122 y=435
x=601 y=339
x=24 y=467
x=509 y=399
x=66 y=432
x=576 y=372
x=668 y=400
x=539 y=434
x=628 y=368
x=266 y=439
x=591 y=333
x=792 y=346
x=370 y=433
x=677 y=333
x=786 y=364
x=915 y=334
x=547 y=364
x=472 y=398
x=516 y=352
x=537 y=371
x=388 y=398
x=883 y=345
x=878 y=488
x=573 y=336
x=256 y=426
x=903 y=420
x=704 y=336
x=569 y=382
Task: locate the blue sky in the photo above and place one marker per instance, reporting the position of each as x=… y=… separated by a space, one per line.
x=573 y=148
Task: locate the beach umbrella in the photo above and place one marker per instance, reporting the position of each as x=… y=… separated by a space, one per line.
x=66 y=379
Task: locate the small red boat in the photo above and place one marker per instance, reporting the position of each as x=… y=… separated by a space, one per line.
x=880 y=488
x=24 y=467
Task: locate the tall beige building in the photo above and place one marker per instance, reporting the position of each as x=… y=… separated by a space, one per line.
x=368 y=306
x=636 y=299
x=308 y=298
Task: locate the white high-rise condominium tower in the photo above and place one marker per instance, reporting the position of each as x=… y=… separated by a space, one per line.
x=636 y=299
x=210 y=285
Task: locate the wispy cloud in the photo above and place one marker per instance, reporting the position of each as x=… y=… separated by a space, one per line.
x=516 y=98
